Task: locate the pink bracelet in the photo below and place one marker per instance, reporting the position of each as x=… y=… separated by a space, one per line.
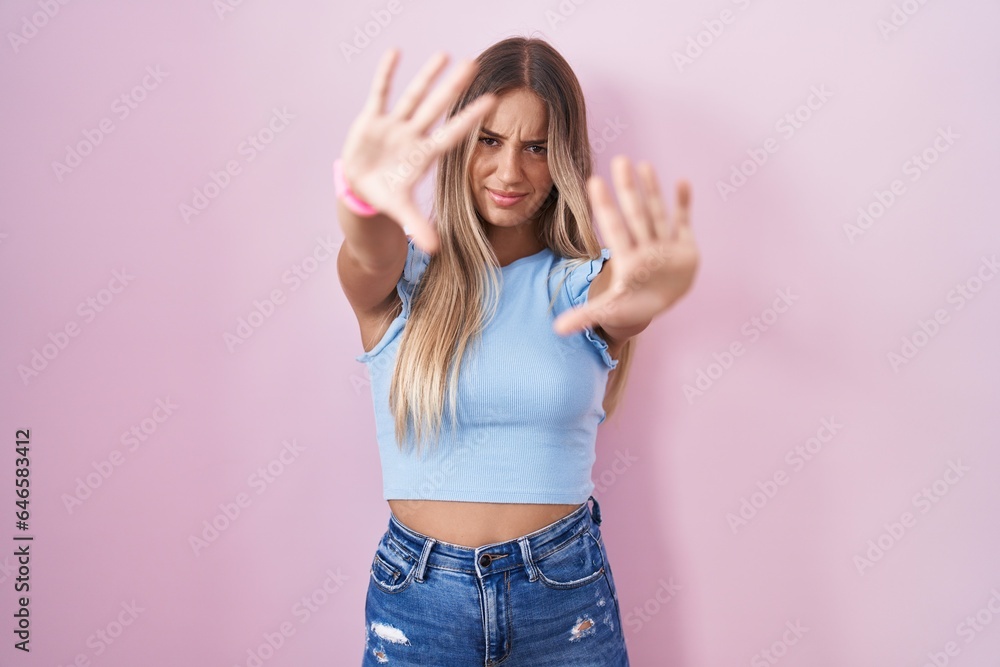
x=343 y=190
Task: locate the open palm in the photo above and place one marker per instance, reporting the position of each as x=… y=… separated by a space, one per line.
x=653 y=255
x=387 y=153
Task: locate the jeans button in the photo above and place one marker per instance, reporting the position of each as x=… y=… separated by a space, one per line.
x=484 y=560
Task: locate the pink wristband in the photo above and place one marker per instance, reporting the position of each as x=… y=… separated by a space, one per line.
x=343 y=190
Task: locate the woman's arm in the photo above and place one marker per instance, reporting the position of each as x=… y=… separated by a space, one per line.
x=370 y=260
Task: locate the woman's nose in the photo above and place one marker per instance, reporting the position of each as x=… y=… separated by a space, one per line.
x=509 y=167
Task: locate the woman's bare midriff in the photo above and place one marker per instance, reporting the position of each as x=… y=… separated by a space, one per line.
x=471 y=524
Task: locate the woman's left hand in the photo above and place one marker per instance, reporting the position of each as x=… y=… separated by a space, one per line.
x=653 y=255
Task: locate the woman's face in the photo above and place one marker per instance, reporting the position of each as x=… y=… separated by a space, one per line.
x=511 y=158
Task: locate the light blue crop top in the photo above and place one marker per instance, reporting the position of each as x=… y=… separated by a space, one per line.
x=529 y=400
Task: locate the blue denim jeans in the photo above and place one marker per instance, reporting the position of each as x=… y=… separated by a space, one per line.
x=547 y=598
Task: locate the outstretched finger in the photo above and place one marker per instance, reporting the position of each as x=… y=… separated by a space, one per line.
x=417 y=89
x=380 y=84
x=634 y=208
x=657 y=209
x=613 y=229
x=462 y=122
x=432 y=107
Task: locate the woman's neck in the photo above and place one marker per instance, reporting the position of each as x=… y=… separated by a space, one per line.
x=513 y=243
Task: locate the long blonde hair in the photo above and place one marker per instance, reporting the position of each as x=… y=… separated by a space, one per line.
x=447 y=308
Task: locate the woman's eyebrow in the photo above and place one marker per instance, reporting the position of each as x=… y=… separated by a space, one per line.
x=500 y=136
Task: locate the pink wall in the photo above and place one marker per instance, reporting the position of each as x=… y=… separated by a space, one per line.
x=134 y=302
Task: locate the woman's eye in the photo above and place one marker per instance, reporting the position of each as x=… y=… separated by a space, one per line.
x=541 y=149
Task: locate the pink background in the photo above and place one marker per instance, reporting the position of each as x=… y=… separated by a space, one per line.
x=695 y=587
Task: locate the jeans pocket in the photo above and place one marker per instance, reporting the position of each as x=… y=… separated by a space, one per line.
x=573 y=563
x=392 y=567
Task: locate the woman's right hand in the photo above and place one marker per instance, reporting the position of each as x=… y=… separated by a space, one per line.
x=386 y=154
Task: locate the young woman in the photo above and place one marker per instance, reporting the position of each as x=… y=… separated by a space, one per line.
x=497 y=340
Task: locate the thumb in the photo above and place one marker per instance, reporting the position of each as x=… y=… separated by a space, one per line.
x=424 y=234
x=579 y=318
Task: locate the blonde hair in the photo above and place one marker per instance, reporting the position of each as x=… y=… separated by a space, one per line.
x=447 y=307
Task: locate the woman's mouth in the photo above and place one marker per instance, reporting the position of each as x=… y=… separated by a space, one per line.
x=506 y=199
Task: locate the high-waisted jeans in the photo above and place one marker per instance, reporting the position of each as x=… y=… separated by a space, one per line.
x=545 y=599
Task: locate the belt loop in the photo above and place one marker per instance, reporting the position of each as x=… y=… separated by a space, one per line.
x=424 y=555
x=529 y=564
x=596 y=513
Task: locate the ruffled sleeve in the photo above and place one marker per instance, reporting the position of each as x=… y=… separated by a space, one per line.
x=577 y=287
x=416 y=263
x=413 y=269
